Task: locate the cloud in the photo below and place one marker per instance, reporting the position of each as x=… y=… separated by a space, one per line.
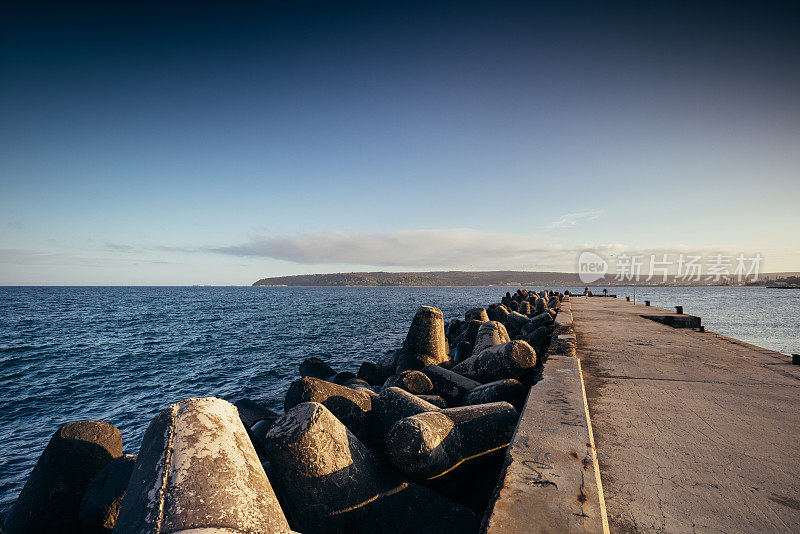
x=117 y=247
x=165 y=248
x=458 y=247
x=149 y=249
x=572 y=219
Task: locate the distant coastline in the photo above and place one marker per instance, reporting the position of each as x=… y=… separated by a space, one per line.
x=480 y=278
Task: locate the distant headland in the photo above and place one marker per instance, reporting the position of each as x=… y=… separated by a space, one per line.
x=479 y=278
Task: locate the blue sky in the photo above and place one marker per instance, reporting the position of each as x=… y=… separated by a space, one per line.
x=222 y=145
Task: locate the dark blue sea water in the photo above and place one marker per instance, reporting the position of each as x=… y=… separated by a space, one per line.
x=121 y=354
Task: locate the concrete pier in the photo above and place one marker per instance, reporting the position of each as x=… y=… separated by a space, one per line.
x=694 y=431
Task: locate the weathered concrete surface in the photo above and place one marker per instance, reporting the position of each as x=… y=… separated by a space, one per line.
x=563 y=320
x=197 y=469
x=395 y=403
x=694 y=431
x=51 y=498
x=330 y=482
x=425 y=342
x=562 y=340
x=507 y=390
x=515 y=359
x=489 y=334
x=451 y=386
x=430 y=444
x=549 y=482
x=103 y=498
x=352 y=407
x=414 y=382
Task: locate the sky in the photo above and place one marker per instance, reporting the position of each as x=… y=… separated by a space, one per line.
x=221 y=143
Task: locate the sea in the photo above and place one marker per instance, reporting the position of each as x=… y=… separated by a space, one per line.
x=122 y=354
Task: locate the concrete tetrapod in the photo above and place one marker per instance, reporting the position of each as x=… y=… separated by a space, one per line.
x=257 y=434
x=316 y=368
x=425 y=343
x=462 y=351
x=331 y=482
x=351 y=406
x=51 y=498
x=251 y=412
x=449 y=385
x=517 y=320
x=376 y=372
x=103 y=498
x=453 y=330
x=412 y=381
x=360 y=385
x=431 y=444
x=436 y=400
x=470 y=332
x=515 y=359
x=497 y=313
x=490 y=333
x=198 y=470
x=476 y=314
x=373 y=373
x=394 y=404
x=539 y=338
x=543 y=319
x=509 y=390
x=341 y=377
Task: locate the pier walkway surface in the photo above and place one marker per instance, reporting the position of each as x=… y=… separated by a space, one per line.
x=694 y=431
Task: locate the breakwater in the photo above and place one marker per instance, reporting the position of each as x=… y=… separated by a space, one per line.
x=415 y=439
x=122 y=354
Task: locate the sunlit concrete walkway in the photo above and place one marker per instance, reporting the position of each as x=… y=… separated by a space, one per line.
x=694 y=431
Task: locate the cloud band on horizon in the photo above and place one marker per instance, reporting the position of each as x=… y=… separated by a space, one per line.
x=411 y=248
x=432 y=249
